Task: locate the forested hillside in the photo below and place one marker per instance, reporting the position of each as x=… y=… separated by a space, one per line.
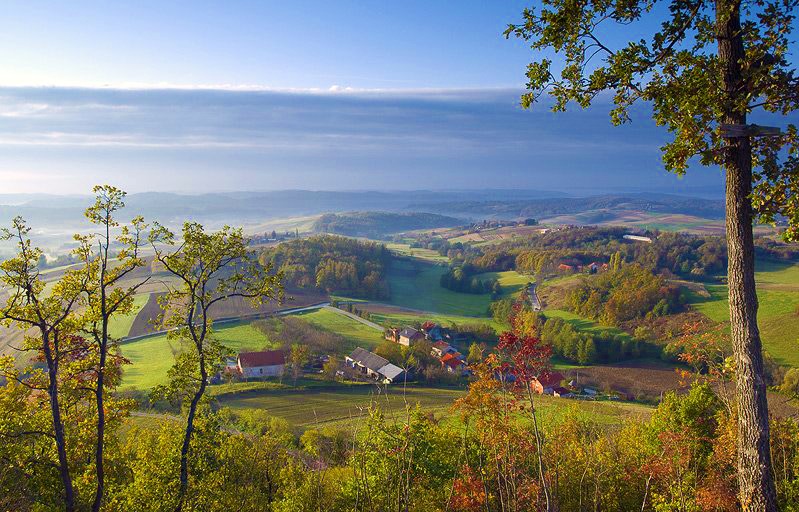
x=332 y=264
x=379 y=224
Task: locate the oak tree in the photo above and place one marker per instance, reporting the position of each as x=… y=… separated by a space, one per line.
x=704 y=67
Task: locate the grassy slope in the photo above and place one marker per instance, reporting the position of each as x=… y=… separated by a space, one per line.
x=356 y=333
x=398 y=319
x=511 y=281
x=119 y=326
x=347 y=404
x=338 y=403
x=581 y=323
x=419 y=253
x=415 y=285
x=778 y=296
x=152 y=357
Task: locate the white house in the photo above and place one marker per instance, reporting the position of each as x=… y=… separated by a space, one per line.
x=269 y=363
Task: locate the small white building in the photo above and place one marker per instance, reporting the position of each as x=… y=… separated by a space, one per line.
x=254 y=365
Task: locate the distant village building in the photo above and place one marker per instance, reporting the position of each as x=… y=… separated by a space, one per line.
x=432 y=331
x=561 y=392
x=375 y=366
x=440 y=348
x=269 y=363
x=637 y=238
x=545 y=384
x=409 y=335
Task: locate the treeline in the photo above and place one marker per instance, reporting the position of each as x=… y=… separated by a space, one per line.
x=567 y=342
x=378 y=224
x=462 y=279
x=629 y=293
x=333 y=264
x=690 y=256
x=586 y=348
x=285 y=331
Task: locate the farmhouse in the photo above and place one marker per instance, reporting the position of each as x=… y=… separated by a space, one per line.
x=544 y=384
x=269 y=363
x=432 y=331
x=409 y=335
x=374 y=366
x=454 y=363
x=440 y=348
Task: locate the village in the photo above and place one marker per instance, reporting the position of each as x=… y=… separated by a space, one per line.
x=365 y=366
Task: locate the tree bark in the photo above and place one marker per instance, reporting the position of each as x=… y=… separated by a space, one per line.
x=184 y=449
x=99 y=456
x=755 y=479
x=58 y=425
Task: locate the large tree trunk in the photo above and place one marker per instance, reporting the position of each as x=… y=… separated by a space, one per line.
x=755 y=480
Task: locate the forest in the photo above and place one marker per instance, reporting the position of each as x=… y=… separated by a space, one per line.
x=331 y=263
x=379 y=224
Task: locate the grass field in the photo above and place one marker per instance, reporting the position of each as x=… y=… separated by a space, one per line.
x=778 y=298
x=337 y=404
x=119 y=326
x=413 y=252
x=511 y=281
x=152 y=357
x=356 y=333
x=396 y=319
x=348 y=404
x=415 y=285
x=583 y=324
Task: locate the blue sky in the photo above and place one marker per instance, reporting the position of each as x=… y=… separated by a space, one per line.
x=200 y=96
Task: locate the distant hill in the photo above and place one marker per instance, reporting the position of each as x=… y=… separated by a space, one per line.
x=379 y=224
x=602 y=206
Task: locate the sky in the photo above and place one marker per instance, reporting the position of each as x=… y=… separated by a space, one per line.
x=201 y=96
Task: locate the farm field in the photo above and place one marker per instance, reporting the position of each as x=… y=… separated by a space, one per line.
x=342 y=404
x=415 y=285
x=583 y=324
x=511 y=281
x=394 y=318
x=120 y=325
x=778 y=297
x=339 y=404
x=152 y=357
x=414 y=252
x=356 y=333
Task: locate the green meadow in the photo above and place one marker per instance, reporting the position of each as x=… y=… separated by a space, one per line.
x=312 y=405
x=152 y=357
x=120 y=325
x=356 y=333
x=583 y=324
x=415 y=285
x=402 y=249
x=778 y=298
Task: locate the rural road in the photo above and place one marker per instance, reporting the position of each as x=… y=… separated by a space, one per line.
x=356 y=318
x=536 y=303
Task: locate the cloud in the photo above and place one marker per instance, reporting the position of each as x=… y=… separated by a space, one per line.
x=341 y=137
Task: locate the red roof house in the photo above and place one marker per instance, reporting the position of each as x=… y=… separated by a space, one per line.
x=268 y=363
x=546 y=382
